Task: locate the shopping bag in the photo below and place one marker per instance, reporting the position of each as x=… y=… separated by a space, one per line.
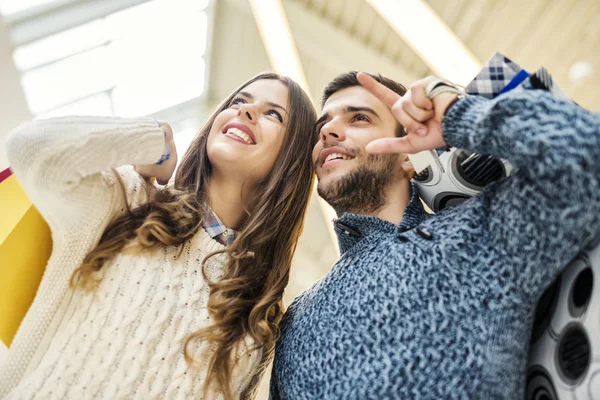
x=25 y=246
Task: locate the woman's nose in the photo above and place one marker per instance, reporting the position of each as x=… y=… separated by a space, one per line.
x=247 y=111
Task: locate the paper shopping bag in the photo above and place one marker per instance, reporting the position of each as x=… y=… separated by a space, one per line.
x=25 y=246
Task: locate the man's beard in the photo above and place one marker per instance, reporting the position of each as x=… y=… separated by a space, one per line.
x=363 y=190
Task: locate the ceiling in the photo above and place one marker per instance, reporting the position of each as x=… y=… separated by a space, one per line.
x=333 y=36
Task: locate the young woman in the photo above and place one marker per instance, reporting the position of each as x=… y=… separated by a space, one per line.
x=162 y=293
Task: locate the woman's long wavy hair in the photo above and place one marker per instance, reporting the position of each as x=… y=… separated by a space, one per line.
x=247 y=300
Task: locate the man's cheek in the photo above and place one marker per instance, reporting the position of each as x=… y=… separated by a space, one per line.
x=315 y=154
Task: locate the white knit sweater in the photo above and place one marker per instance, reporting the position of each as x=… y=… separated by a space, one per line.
x=125 y=339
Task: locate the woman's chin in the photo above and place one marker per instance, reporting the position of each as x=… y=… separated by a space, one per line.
x=230 y=165
x=230 y=153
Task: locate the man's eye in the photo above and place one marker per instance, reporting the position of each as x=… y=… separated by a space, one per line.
x=318 y=128
x=360 y=117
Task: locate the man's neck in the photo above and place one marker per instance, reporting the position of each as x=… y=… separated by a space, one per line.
x=225 y=196
x=397 y=198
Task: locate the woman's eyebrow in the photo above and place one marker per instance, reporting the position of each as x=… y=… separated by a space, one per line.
x=248 y=95
x=277 y=106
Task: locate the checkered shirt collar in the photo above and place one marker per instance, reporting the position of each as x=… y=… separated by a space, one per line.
x=215 y=228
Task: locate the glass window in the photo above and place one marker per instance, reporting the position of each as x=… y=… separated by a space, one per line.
x=143 y=59
x=100 y=104
x=8 y=7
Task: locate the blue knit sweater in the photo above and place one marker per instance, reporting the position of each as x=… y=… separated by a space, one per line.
x=442 y=307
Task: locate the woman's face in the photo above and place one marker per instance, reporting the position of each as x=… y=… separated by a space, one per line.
x=245 y=138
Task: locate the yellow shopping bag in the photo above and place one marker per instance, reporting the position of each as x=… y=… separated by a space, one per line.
x=25 y=246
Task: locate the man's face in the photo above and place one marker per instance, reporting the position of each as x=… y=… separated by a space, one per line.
x=350 y=179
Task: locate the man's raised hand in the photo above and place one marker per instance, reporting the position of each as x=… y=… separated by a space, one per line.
x=420 y=116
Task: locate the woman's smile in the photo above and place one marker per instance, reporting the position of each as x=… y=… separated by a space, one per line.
x=240 y=132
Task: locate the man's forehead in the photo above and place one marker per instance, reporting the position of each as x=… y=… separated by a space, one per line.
x=353 y=96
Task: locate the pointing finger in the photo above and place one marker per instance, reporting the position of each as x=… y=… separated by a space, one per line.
x=386 y=95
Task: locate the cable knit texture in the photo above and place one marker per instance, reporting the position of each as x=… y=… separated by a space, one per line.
x=125 y=339
x=401 y=316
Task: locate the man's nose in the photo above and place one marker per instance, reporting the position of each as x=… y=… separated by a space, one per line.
x=332 y=131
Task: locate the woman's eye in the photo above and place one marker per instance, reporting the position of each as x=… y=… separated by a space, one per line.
x=238 y=101
x=276 y=115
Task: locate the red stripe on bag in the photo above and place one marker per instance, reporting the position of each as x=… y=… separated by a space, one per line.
x=5 y=174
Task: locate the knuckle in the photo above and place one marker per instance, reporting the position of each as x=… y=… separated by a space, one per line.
x=398 y=109
x=406 y=105
x=410 y=125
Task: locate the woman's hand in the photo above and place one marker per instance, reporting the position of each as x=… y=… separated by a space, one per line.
x=421 y=116
x=164 y=171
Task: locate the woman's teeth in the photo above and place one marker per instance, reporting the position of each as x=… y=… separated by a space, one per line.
x=334 y=156
x=242 y=135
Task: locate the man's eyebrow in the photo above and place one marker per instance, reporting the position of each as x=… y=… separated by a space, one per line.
x=275 y=105
x=350 y=109
x=347 y=109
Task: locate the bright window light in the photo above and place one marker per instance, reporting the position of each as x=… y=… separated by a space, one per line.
x=145 y=59
x=277 y=39
x=61 y=45
x=70 y=79
x=430 y=38
x=8 y=7
x=100 y=104
x=183 y=139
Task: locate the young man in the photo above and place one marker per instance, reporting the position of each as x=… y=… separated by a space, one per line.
x=438 y=307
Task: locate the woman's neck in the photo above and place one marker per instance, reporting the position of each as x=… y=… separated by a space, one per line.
x=225 y=196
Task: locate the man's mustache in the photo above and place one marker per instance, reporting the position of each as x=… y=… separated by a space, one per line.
x=353 y=152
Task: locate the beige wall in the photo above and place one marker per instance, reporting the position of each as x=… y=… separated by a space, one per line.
x=13 y=107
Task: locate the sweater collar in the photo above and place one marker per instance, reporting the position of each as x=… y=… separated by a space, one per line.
x=351 y=228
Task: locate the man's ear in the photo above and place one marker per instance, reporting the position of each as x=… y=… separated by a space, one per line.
x=407 y=166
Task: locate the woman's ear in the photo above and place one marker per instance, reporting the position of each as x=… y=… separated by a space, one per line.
x=407 y=166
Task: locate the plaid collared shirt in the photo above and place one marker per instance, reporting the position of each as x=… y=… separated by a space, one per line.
x=215 y=228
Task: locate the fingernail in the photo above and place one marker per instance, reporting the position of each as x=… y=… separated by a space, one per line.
x=421 y=131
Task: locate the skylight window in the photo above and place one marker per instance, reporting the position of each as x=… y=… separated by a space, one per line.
x=8 y=7
x=133 y=62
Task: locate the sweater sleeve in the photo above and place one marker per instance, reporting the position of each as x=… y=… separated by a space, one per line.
x=251 y=390
x=538 y=219
x=273 y=388
x=62 y=163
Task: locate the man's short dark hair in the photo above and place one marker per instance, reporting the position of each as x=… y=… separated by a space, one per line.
x=348 y=79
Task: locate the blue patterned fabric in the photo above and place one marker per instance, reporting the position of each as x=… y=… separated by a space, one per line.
x=167 y=152
x=215 y=228
x=442 y=307
x=497 y=73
